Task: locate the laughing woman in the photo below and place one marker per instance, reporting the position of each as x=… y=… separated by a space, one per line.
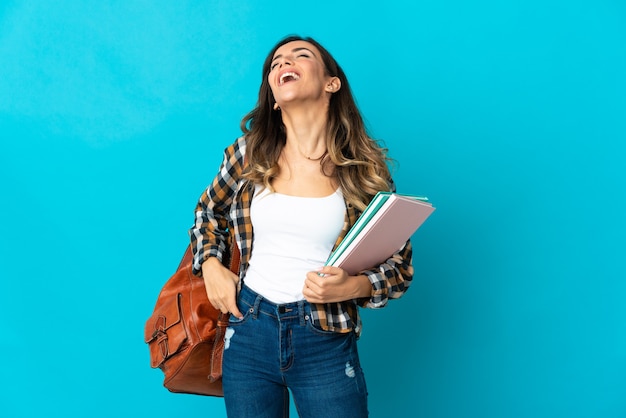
x=289 y=189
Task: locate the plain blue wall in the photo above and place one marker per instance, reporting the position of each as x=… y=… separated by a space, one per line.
x=509 y=115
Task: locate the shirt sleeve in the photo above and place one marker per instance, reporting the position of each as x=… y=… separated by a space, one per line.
x=209 y=233
x=391 y=279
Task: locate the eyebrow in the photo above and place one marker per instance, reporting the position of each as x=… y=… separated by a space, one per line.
x=295 y=50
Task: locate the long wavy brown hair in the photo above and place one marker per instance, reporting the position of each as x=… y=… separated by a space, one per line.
x=357 y=162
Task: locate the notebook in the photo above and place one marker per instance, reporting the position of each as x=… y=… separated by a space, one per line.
x=382 y=229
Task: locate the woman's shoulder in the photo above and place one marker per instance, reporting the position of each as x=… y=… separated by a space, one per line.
x=237 y=149
x=241 y=142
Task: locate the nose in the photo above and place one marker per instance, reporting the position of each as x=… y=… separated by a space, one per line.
x=285 y=60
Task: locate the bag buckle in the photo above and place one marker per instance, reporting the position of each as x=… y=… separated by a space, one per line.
x=160 y=336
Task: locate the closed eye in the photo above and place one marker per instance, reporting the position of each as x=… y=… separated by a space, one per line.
x=302 y=54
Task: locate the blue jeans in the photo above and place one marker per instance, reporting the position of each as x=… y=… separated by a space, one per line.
x=275 y=348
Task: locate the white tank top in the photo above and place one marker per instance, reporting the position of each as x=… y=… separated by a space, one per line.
x=292 y=236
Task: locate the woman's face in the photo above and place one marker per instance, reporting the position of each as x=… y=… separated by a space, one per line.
x=297 y=73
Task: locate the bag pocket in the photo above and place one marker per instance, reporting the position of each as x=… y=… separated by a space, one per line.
x=165 y=332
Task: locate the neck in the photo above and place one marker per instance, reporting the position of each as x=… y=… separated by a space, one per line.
x=306 y=131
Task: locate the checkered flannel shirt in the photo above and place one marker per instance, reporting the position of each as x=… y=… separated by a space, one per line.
x=226 y=204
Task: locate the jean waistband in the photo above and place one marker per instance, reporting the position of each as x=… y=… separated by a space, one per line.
x=258 y=304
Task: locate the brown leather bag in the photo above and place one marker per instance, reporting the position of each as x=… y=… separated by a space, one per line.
x=185 y=333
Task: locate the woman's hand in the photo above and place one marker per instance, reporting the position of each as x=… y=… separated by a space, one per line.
x=221 y=286
x=332 y=284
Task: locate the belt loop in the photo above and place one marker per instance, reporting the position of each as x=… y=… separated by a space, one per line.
x=257 y=302
x=301 y=312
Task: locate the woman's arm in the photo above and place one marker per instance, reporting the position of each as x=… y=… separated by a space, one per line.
x=209 y=234
x=372 y=288
x=391 y=279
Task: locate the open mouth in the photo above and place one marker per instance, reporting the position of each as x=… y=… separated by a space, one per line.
x=287 y=77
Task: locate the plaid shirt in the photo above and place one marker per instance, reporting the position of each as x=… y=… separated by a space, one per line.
x=226 y=204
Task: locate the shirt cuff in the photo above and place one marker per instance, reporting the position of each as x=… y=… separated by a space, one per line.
x=379 y=297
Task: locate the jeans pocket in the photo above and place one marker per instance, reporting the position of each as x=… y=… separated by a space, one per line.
x=316 y=329
x=245 y=309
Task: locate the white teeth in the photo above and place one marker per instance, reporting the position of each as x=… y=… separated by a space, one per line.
x=288 y=74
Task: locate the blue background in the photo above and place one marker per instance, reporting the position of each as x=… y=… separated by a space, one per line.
x=509 y=115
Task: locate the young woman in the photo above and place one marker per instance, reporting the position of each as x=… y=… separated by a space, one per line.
x=288 y=190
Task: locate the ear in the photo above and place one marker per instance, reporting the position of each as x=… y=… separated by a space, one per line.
x=333 y=85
